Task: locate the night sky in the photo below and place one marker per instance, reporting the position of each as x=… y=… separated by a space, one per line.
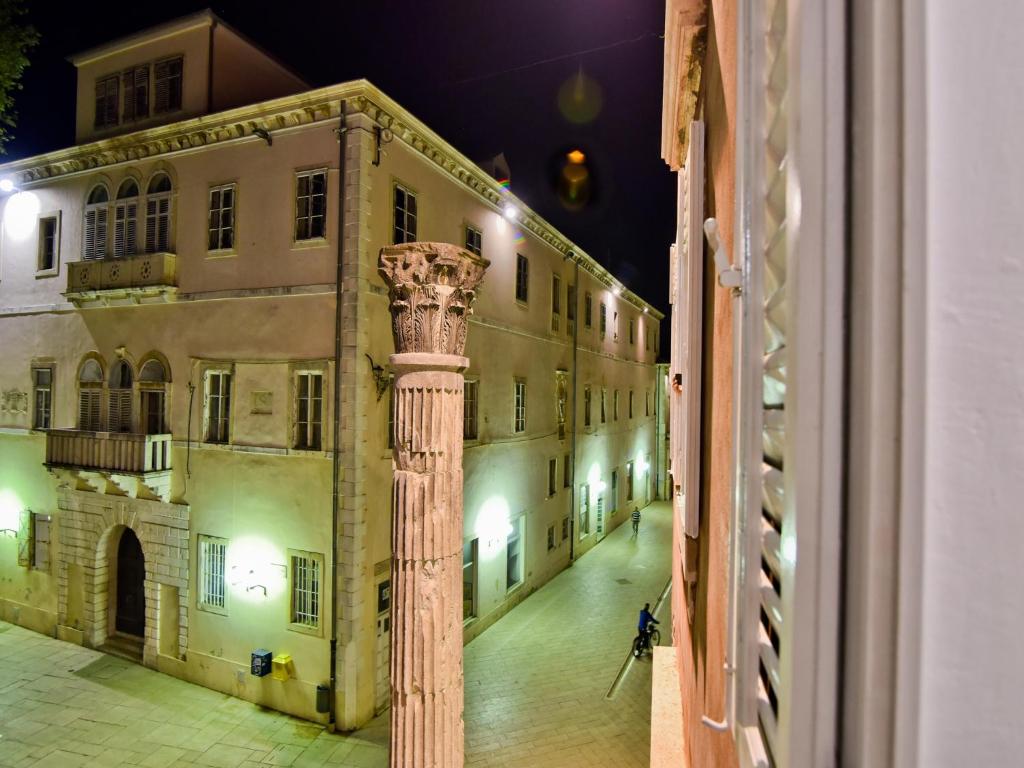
x=486 y=75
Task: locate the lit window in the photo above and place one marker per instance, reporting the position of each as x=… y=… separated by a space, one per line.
x=305 y=592
x=520 y=405
x=469 y=556
x=212 y=572
x=405 y=215
x=222 y=218
x=469 y=410
x=135 y=81
x=552 y=476
x=218 y=406
x=309 y=387
x=42 y=397
x=94 y=236
x=158 y=214
x=474 y=240
x=106 y=101
x=556 y=298
x=310 y=205
x=514 y=555
x=522 y=278
x=167 y=79
x=49 y=244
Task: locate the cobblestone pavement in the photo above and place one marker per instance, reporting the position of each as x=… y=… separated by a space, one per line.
x=536 y=681
x=64 y=706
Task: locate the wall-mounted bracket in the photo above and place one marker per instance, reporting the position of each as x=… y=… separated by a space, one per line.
x=729 y=275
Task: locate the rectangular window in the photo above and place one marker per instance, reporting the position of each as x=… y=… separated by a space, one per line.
x=632 y=331
x=556 y=299
x=474 y=240
x=584 y=511
x=469 y=558
x=551 y=537
x=514 y=555
x=167 y=80
x=405 y=215
x=106 y=101
x=565 y=528
x=42 y=397
x=470 y=398
x=94 y=237
x=158 y=222
x=586 y=406
x=41 y=541
x=311 y=205
x=522 y=278
x=135 y=81
x=615 y=491
x=604 y=320
x=647 y=402
x=519 y=389
x=615 y=405
x=566 y=472
x=629 y=481
x=570 y=308
x=588 y=309
x=647 y=341
x=213 y=573
x=305 y=592
x=552 y=476
x=49 y=244
x=309 y=393
x=604 y=398
x=222 y=218
x=615 y=326
x=218 y=406
x=631 y=403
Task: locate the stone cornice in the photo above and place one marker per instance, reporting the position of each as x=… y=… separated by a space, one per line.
x=291 y=112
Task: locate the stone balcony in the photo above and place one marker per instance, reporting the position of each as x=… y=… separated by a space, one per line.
x=145 y=278
x=118 y=463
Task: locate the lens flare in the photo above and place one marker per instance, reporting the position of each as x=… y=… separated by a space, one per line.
x=580 y=99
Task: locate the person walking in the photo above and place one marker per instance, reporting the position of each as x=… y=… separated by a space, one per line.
x=636 y=520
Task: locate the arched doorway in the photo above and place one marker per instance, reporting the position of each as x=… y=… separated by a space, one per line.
x=131 y=576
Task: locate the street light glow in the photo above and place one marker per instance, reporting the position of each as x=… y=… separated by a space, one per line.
x=510 y=212
x=6 y=185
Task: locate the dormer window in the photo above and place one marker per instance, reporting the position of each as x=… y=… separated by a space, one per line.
x=136 y=92
x=106 y=101
x=167 y=79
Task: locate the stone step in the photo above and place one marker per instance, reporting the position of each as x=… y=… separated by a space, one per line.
x=123 y=645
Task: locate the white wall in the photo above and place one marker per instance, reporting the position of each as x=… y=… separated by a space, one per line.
x=972 y=671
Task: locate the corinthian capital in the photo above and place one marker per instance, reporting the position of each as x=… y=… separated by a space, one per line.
x=432 y=288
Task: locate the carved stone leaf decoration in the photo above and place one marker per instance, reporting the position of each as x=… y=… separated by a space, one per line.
x=432 y=287
x=14 y=402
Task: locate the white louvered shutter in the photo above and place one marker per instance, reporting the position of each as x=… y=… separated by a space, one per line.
x=89 y=235
x=100 y=243
x=119 y=229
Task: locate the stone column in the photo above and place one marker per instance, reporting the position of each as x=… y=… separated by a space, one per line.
x=432 y=287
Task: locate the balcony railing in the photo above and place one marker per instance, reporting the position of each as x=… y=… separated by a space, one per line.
x=129 y=279
x=115 y=452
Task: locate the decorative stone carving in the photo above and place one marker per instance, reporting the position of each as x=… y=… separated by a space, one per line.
x=432 y=287
x=14 y=402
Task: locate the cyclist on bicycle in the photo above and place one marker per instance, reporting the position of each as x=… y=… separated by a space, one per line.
x=646 y=623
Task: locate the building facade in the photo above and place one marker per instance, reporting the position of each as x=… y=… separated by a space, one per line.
x=845 y=385
x=195 y=415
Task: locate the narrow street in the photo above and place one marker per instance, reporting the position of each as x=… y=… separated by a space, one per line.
x=536 y=682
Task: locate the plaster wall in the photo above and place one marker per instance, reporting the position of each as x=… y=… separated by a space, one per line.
x=972 y=610
x=243 y=74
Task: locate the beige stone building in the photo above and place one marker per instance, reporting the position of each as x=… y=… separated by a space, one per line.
x=191 y=320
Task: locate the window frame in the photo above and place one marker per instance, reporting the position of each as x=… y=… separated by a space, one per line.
x=219 y=371
x=478 y=248
x=474 y=565
x=556 y=302
x=221 y=249
x=604 y=405
x=615 y=405
x=566 y=471
x=315 y=559
x=603 y=320
x=517 y=534
x=408 y=192
x=135 y=88
x=552 y=476
x=522 y=284
x=36 y=390
x=170 y=107
x=98 y=124
x=630 y=481
x=519 y=405
x=310 y=240
x=470 y=415
x=587 y=402
x=588 y=310
x=631 y=404
x=54 y=268
x=41 y=560
x=201 y=572
x=101 y=222
x=153 y=220
x=297 y=374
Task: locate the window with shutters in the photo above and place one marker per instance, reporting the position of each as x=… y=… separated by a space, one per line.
x=218 y=406
x=94 y=227
x=222 y=218
x=49 y=245
x=474 y=240
x=556 y=302
x=519 y=405
x=106 y=101
x=586 y=406
x=615 y=405
x=405 y=215
x=41 y=538
x=470 y=402
x=565 y=528
x=167 y=85
x=570 y=308
x=119 y=398
x=604 y=398
x=42 y=397
x=90 y=396
x=603 y=320
x=135 y=83
x=126 y=216
x=311 y=205
x=309 y=396
x=212 y=567
x=522 y=278
x=306 y=583
x=588 y=310
x=153 y=381
x=158 y=214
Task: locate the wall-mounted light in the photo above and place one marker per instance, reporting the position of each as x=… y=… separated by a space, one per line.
x=380 y=378
x=252 y=587
x=510 y=212
x=6 y=185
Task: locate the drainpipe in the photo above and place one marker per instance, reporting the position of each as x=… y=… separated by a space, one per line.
x=336 y=453
x=572 y=449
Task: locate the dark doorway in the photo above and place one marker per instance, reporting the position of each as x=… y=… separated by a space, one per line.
x=131 y=575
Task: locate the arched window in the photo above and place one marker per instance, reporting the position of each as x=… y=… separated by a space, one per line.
x=158 y=214
x=90 y=392
x=126 y=218
x=153 y=388
x=94 y=240
x=119 y=402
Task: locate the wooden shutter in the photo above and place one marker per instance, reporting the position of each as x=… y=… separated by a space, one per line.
x=130 y=227
x=101 y=95
x=26 y=539
x=89 y=236
x=119 y=229
x=128 y=85
x=100 y=241
x=162 y=78
x=89 y=409
x=110 y=101
x=163 y=224
x=119 y=413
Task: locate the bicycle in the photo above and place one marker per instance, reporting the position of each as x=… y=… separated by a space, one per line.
x=646 y=640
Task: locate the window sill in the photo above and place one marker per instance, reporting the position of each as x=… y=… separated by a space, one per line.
x=523 y=304
x=212 y=609
x=225 y=253
x=42 y=273
x=513 y=588
x=311 y=244
x=302 y=629
x=469 y=621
